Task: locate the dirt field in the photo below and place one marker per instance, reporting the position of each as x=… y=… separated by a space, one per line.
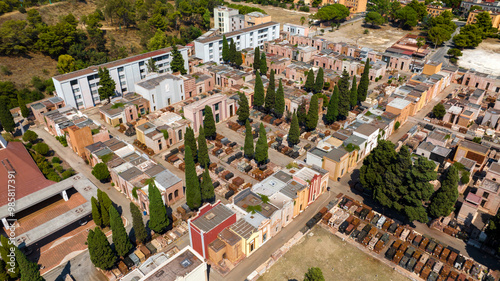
x=337 y=259
x=485 y=58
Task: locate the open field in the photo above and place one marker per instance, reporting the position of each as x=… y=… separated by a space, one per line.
x=338 y=260
x=485 y=58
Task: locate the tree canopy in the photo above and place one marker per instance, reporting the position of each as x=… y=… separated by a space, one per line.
x=374 y=18
x=335 y=12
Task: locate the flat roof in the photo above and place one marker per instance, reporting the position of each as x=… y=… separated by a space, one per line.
x=234 y=33
x=474 y=146
x=166 y=179
x=212 y=218
x=179 y=265
x=243 y=228
x=152 y=82
x=399 y=103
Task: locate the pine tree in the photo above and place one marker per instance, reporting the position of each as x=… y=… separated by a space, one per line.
x=207 y=187
x=225 y=49
x=209 y=123
x=158 y=218
x=29 y=270
x=193 y=192
x=106 y=83
x=263 y=63
x=279 y=107
x=243 y=108
x=203 y=157
x=119 y=234
x=344 y=94
x=354 y=93
x=96 y=213
x=309 y=86
x=318 y=85
x=302 y=113
x=6 y=119
x=177 y=63
x=190 y=140
x=140 y=231
x=363 y=82
x=248 y=149
x=312 y=114
x=271 y=93
x=256 y=60
x=333 y=107
x=294 y=132
x=101 y=254
x=261 y=149
x=22 y=105
x=258 y=96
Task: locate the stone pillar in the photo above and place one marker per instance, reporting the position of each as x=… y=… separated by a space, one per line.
x=64 y=195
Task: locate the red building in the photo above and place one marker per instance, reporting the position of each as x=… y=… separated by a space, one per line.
x=207 y=224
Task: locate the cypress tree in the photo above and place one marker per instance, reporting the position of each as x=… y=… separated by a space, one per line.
x=22 y=106
x=119 y=235
x=158 y=218
x=189 y=140
x=294 y=132
x=209 y=123
x=363 y=82
x=207 y=187
x=313 y=114
x=444 y=199
x=6 y=118
x=248 y=149
x=238 y=60
x=354 y=93
x=263 y=63
x=333 y=107
x=232 y=52
x=261 y=149
x=104 y=203
x=193 y=192
x=318 y=85
x=101 y=254
x=225 y=49
x=29 y=270
x=302 y=113
x=96 y=213
x=140 y=231
x=177 y=63
x=203 y=157
x=271 y=93
x=309 y=86
x=258 y=96
x=243 y=108
x=256 y=60
x=279 y=107
x=344 y=94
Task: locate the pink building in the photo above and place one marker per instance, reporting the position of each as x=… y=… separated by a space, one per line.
x=41 y=107
x=481 y=81
x=223 y=107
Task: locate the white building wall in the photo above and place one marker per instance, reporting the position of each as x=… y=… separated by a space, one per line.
x=312 y=159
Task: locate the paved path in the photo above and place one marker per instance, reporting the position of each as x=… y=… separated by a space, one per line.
x=440 y=54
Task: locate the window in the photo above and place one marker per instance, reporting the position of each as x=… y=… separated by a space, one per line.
x=180 y=135
x=153 y=98
x=216 y=107
x=485 y=195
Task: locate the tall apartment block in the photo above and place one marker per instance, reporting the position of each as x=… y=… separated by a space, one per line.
x=210 y=48
x=222 y=18
x=79 y=88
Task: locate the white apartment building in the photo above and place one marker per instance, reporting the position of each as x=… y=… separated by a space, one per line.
x=295 y=29
x=210 y=48
x=161 y=90
x=222 y=18
x=79 y=88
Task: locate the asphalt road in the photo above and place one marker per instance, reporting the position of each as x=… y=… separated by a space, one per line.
x=440 y=54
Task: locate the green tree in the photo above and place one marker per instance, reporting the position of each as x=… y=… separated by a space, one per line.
x=419 y=8
x=207 y=187
x=439 y=111
x=193 y=191
x=243 y=111
x=140 y=231
x=354 y=93
x=203 y=157
x=294 y=131
x=65 y=64
x=119 y=235
x=248 y=147
x=5 y=249
x=101 y=254
x=438 y=35
x=407 y=17
x=314 y=274
x=332 y=112
x=334 y=12
x=374 y=19
x=107 y=85
x=177 y=64
x=232 y=51
x=105 y=204
x=225 y=49
x=189 y=140
x=101 y=172
x=28 y=269
x=312 y=114
x=318 y=85
x=344 y=94
x=470 y=36
x=158 y=41
x=444 y=199
x=258 y=97
x=158 y=218
x=302 y=113
x=483 y=22
x=151 y=65
x=6 y=119
x=263 y=63
x=271 y=93
x=209 y=123
x=25 y=112
x=363 y=82
x=30 y=136
x=41 y=148
x=261 y=148
x=96 y=213
x=309 y=85
x=256 y=61
x=279 y=107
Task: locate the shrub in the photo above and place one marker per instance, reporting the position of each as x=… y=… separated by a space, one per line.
x=366 y=31
x=56 y=160
x=68 y=173
x=30 y=136
x=59 y=168
x=304 y=8
x=62 y=140
x=41 y=148
x=53 y=176
x=29 y=145
x=396 y=126
x=5 y=70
